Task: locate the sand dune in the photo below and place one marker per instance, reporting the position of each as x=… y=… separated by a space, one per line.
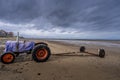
x=65 y=63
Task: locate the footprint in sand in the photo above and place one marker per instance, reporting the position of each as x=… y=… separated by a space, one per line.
x=38 y=74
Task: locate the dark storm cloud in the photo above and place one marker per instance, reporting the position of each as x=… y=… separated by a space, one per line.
x=81 y=15
x=18 y=10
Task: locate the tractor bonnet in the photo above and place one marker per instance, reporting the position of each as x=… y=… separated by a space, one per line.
x=14 y=46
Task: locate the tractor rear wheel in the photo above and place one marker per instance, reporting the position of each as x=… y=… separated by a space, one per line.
x=7 y=58
x=41 y=53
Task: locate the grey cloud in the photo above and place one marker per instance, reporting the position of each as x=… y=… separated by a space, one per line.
x=17 y=11
x=82 y=15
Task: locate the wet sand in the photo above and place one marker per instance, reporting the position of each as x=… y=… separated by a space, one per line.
x=65 y=63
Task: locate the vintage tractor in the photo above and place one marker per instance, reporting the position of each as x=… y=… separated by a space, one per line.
x=40 y=51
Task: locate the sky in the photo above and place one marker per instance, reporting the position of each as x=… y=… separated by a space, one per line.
x=73 y=19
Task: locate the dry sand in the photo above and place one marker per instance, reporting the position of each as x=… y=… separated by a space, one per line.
x=65 y=63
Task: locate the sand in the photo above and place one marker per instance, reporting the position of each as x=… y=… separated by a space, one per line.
x=65 y=63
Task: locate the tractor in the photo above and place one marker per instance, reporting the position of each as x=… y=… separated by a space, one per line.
x=40 y=51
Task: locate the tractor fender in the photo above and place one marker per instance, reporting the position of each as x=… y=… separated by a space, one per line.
x=41 y=43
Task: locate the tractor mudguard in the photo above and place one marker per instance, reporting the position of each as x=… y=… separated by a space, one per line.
x=41 y=43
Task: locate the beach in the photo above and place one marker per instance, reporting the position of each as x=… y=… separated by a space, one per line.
x=67 y=62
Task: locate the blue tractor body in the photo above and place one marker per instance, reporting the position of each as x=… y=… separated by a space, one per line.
x=14 y=46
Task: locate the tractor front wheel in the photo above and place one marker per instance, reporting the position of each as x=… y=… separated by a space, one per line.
x=41 y=53
x=7 y=58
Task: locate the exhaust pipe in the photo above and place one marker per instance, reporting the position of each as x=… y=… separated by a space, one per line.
x=17 y=44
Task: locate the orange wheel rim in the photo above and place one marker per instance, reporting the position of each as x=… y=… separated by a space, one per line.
x=8 y=57
x=41 y=54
